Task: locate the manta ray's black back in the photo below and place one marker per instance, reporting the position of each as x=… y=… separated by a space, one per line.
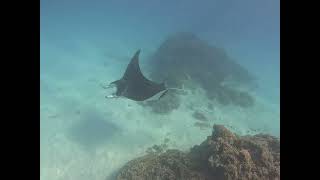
x=134 y=85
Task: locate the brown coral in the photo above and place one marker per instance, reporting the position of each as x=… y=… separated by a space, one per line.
x=171 y=165
x=232 y=157
x=223 y=155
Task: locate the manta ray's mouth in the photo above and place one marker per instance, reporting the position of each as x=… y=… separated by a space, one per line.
x=113 y=88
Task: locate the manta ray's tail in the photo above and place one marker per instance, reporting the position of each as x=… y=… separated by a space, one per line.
x=173 y=88
x=178 y=89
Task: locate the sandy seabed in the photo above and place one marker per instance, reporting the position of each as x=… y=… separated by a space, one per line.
x=71 y=99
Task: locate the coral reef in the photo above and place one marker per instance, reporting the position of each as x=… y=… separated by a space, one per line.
x=171 y=165
x=223 y=155
x=206 y=65
x=157 y=149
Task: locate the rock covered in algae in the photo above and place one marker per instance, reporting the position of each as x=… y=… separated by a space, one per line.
x=223 y=155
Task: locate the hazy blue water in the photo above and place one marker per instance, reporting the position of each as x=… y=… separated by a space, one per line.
x=76 y=35
x=248 y=29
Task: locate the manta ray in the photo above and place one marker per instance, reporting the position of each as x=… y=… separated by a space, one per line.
x=135 y=86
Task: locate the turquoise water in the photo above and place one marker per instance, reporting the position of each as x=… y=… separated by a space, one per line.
x=85 y=43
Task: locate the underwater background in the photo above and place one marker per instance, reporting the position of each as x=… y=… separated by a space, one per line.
x=84 y=44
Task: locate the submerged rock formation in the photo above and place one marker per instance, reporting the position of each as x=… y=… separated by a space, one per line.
x=223 y=155
x=171 y=165
x=184 y=57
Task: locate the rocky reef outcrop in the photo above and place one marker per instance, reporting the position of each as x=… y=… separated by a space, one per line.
x=183 y=58
x=223 y=155
x=184 y=54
